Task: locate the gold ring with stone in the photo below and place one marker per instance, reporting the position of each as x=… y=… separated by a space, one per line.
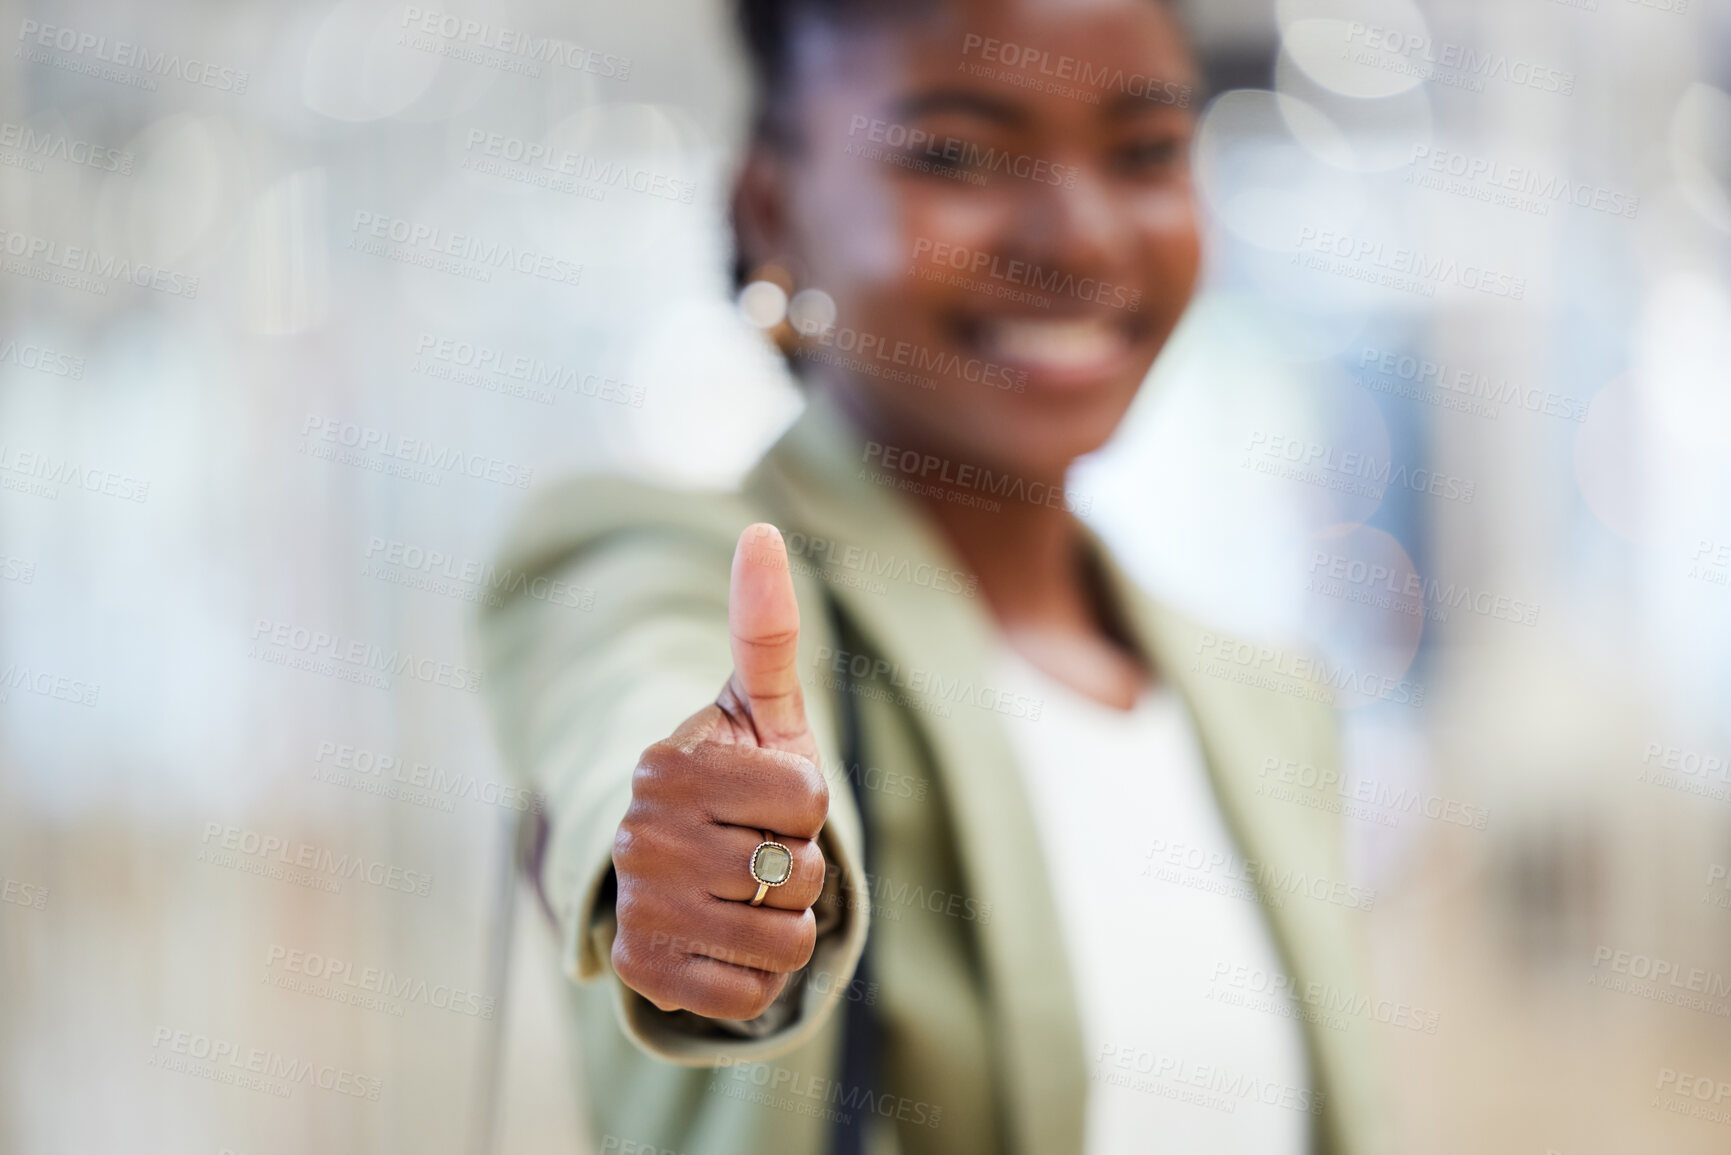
x=771 y=865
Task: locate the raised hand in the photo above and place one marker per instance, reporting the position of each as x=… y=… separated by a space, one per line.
x=739 y=770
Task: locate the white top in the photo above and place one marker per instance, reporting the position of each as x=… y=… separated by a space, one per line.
x=1141 y=864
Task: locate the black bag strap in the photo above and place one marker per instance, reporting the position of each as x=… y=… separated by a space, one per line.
x=859 y=1048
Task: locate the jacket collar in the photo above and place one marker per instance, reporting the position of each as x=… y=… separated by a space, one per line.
x=821 y=479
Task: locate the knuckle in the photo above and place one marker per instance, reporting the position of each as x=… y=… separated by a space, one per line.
x=633 y=968
x=808 y=793
x=735 y=994
x=802 y=941
x=627 y=842
x=813 y=871
x=634 y=912
x=639 y=846
x=788 y=946
x=661 y=770
x=769 y=988
x=657 y=843
x=819 y=786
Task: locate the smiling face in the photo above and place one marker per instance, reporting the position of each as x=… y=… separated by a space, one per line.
x=997 y=197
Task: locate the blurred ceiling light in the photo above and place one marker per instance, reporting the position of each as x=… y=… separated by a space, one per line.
x=1366 y=57
x=1347 y=132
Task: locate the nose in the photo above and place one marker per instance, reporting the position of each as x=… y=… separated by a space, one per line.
x=1075 y=223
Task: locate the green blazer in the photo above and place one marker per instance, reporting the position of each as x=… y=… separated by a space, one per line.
x=981 y=1047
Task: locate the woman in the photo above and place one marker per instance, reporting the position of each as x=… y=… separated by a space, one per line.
x=969 y=854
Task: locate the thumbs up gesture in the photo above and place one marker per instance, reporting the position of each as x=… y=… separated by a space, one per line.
x=736 y=774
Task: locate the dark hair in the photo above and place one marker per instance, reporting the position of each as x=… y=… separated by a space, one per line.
x=768 y=29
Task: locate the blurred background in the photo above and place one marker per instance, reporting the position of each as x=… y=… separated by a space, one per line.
x=292 y=320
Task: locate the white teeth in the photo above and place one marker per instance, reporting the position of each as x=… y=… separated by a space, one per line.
x=1067 y=345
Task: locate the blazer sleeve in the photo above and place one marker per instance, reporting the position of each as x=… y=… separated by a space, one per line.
x=611 y=629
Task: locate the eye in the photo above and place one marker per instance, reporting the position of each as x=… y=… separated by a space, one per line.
x=950 y=151
x=1150 y=154
x=956 y=159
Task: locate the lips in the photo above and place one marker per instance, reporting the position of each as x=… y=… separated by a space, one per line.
x=1065 y=351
